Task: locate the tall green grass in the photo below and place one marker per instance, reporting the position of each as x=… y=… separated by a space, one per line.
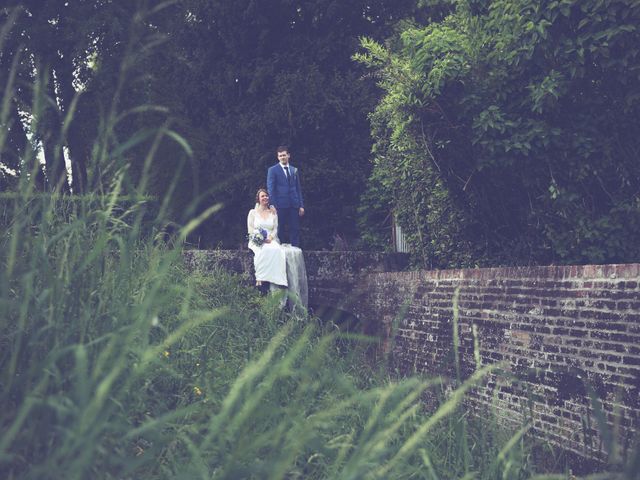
x=118 y=363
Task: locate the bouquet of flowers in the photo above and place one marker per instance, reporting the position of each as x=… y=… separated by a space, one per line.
x=258 y=236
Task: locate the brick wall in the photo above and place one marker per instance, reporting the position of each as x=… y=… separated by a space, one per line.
x=561 y=330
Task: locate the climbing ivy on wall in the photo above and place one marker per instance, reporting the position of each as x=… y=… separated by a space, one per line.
x=508 y=132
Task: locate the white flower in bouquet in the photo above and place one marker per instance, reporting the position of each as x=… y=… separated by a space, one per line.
x=258 y=236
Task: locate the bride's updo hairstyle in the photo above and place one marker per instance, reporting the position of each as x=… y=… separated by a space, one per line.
x=258 y=194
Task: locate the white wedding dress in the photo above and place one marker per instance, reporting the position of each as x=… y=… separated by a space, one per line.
x=269 y=261
x=281 y=265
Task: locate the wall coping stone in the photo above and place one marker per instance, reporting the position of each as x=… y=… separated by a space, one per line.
x=555 y=272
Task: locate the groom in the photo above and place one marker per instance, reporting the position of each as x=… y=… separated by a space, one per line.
x=283 y=184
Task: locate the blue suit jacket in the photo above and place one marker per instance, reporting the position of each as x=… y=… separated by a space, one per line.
x=284 y=193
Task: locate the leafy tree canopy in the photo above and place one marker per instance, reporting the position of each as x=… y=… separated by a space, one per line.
x=255 y=75
x=509 y=132
x=233 y=79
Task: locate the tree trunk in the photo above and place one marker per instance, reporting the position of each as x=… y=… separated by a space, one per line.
x=50 y=129
x=76 y=139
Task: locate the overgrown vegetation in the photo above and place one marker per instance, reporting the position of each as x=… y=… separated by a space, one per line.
x=117 y=363
x=508 y=132
x=236 y=79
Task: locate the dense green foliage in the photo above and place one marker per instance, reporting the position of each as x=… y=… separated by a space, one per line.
x=235 y=79
x=50 y=53
x=509 y=133
x=116 y=362
x=261 y=74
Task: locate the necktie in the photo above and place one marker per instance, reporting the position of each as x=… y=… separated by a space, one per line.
x=286 y=171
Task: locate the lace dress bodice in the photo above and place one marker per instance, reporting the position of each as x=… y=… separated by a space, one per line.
x=269 y=223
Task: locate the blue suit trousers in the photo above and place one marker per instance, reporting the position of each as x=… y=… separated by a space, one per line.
x=289 y=225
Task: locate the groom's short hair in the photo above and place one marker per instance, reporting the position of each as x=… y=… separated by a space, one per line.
x=282 y=148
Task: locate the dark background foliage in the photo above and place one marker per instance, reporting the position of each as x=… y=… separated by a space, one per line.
x=238 y=79
x=503 y=132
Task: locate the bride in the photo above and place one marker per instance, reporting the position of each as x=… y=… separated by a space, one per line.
x=269 y=260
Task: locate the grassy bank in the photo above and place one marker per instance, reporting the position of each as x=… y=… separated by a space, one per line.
x=116 y=363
